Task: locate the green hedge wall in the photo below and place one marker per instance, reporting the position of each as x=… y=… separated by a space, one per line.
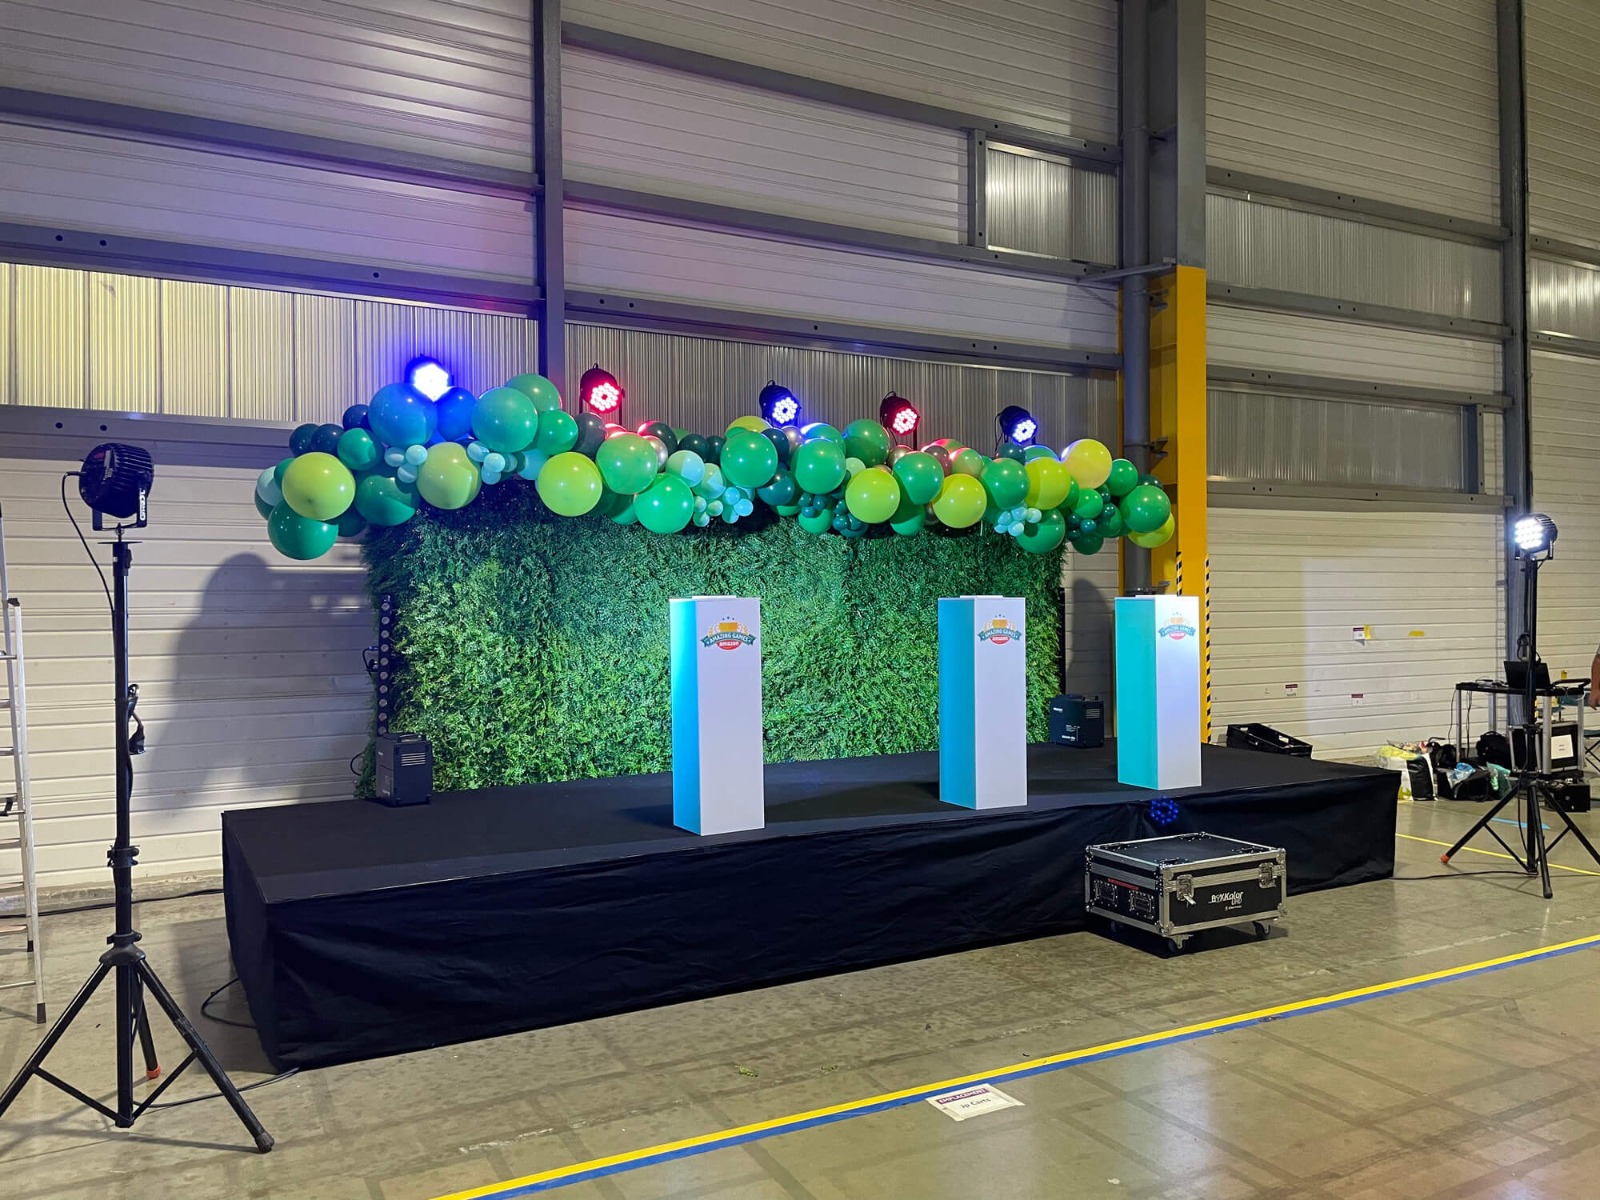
x=534 y=648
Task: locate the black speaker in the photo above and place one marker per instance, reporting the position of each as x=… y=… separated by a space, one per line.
x=404 y=769
x=1078 y=721
x=1571 y=797
x=1420 y=771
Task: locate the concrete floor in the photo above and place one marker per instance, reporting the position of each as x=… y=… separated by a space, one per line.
x=1483 y=1086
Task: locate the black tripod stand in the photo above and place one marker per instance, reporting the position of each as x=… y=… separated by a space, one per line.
x=134 y=975
x=1530 y=785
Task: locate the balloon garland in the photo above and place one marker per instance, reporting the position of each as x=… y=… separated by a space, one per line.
x=403 y=451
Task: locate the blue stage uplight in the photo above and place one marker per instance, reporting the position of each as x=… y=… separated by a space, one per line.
x=428 y=376
x=1163 y=812
x=1017 y=425
x=779 y=406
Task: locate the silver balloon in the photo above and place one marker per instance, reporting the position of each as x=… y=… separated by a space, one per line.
x=896 y=453
x=660 y=448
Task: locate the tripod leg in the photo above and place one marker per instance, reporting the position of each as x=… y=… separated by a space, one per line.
x=1535 y=821
x=206 y=1059
x=1572 y=827
x=1482 y=823
x=147 y=1041
x=36 y=1059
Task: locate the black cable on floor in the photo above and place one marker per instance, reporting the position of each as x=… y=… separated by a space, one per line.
x=205 y=1011
x=1460 y=875
x=100 y=905
x=249 y=1087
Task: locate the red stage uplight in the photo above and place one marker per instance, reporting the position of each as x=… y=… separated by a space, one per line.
x=899 y=416
x=600 y=390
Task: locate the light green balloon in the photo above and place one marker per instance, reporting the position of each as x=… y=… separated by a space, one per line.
x=318 y=486
x=570 y=484
x=873 y=495
x=448 y=479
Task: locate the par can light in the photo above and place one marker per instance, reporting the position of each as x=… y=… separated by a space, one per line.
x=779 y=406
x=899 y=416
x=1534 y=536
x=1017 y=425
x=115 y=480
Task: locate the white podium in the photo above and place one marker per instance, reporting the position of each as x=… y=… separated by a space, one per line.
x=1158 y=691
x=983 y=702
x=717 y=782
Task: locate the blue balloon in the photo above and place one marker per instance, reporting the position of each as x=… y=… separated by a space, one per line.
x=402 y=416
x=416 y=455
x=455 y=414
x=355 y=417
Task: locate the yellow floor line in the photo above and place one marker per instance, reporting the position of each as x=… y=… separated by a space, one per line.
x=1411 y=837
x=744 y=1133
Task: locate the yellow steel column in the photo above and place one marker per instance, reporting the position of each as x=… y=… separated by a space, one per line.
x=1178 y=433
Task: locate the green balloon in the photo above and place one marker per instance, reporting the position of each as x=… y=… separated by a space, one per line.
x=1088 y=543
x=1144 y=509
x=818 y=522
x=624 y=513
x=448 y=479
x=1123 y=479
x=1033 y=452
x=538 y=389
x=909 y=518
x=819 y=466
x=1067 y=505
x=1148 y=478
x=1044 y=537
x=821 y=431
x=920 y=475
x=294 y=536
x=786 y=510
x=627 y=463
x=505 y=419
x=1089 y=505
x=666 y=505
x=697 y=444
x=263 y=507
x=384 y=500
x=570 y=484
x=867 y=440
x=782 y=491
x=1006 y=481
x=873 y=495
x=968 y=462
x=961 y=502
x=557 y=432
x=357 y=450
x=1159 y=537
x=352 y=524
x=749 y=460
x=319 y=486
x=1012 y=451
x=1109 y=522
x=282 y=469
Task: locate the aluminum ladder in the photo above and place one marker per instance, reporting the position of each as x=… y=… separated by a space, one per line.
x=19 y=894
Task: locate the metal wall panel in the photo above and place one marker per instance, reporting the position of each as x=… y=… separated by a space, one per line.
x=1048 y=65
x=1564 y=298
x=1288 y=587
x=1566 y=484
x=1043 y=205
x=430 y=77
x=704 y=383
x=251 y=684
x=121 y=343
x=631 y=255
x=72 y=180
x=1239 y=337
x=1269 y=246
x=1563 y=88
x=632 y=125
x=1396 y=101
x=1310 y=439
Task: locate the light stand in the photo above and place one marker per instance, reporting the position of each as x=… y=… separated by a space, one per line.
x=1532 y=783
x=134 y=975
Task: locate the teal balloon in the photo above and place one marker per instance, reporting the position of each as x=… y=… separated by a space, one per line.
x=1109 y=523
x=819 y=466
x=357 y=450
x=687 y=466
x=819 y=521
x=749 y=460
x=537 y=388
x=282 y=469
x=557 y=431
x=505 y=419
x=268 y=490
x=302 y=437
x=399 y=415
x=263 y=507
x=1046 y=535
x=1145 y=509
x=297 y=537
x=867 y=440
x=697 y=444
x=1012 y=451
x=384 y=500
x=714 y=445
x=591 y=433
x=352 y=524
x=1006 y=481
x=1033 y=452
x=627 y=463
x=821 y=431
x=1123 y=479
x=783 y=490
x=920 y=475
x=666 y=506
x=1088 y=543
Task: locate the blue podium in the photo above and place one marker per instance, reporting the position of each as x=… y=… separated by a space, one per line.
x=718 y=783
x=983 y=702
x=1158 y=691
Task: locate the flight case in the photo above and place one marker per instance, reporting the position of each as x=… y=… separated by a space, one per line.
x=1175 y=886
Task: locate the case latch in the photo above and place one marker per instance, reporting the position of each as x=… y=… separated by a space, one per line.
x=1269 y=874
x=1183 y=888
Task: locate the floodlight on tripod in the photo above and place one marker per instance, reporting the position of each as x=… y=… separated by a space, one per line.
x=1534 y=537
x=115 y=482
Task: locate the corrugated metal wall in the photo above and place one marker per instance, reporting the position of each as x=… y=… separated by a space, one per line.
x=1050 y=65
x=1563 y=87
x=657 y=130
x=431 y=76
x=1566 y=485
x=120 y=343
x=1269 y=246
x=1564 y=298
x=1039 y=204
x=1287 y=589
x=249 y=667
x=1396 y=101
x=632 y=255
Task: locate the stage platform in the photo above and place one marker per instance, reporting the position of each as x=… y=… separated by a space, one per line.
x=360 y=930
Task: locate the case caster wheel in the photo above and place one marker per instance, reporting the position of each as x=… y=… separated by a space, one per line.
x=1263 y=930
x=1174 y=947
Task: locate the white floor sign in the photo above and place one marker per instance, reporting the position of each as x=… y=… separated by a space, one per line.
x=973 y=1102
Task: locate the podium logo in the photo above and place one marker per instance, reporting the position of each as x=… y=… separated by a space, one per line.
x=1175 y=628
x=728 y=635
x=999 y=631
